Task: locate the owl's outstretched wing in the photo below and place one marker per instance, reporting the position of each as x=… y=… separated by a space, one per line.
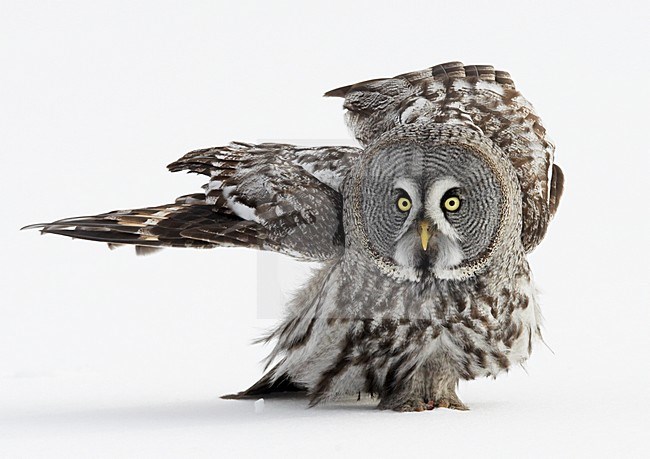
x=274 y=197
x=476 y=96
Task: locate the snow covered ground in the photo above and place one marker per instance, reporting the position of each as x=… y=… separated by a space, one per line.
x=104 y=354
x=515 y=417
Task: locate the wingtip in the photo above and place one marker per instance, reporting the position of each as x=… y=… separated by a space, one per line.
x=174 y=167
x=34 y=226
x=238 y=396
x=338 y=92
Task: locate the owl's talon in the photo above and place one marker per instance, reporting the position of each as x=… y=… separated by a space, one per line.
x=451 y=404
x=409 y=406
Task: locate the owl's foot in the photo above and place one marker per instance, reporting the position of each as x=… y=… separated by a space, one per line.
x=432 y=386
x=450 y=401
x=408 y=406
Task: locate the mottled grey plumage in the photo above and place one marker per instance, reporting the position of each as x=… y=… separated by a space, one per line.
x=422 y=235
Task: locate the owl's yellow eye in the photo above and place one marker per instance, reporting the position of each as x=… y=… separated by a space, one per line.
x=404 y=204
x=452 y=203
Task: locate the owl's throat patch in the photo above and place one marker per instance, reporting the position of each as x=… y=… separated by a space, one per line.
x=424 y=261
x=440 y=252
x=437 y=254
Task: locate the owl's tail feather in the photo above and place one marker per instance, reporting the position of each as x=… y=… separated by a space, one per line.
x=269 y=386
x=189 y=222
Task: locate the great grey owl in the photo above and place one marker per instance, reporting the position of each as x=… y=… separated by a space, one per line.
x=422 y=233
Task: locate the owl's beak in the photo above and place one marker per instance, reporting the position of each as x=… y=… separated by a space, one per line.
x=426 y=230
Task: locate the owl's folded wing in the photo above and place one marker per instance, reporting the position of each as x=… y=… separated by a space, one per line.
x=476 y=96
x=274 y=197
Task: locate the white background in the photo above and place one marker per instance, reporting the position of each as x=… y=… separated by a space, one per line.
x=103 y=354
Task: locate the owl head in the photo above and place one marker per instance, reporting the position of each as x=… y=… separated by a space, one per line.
x=434 y=200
